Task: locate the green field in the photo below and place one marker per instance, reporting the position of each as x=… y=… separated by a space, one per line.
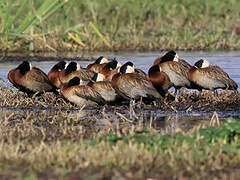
x=52 y=25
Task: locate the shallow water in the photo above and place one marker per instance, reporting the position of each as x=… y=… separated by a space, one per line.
x=161 y=121
x=229 y=61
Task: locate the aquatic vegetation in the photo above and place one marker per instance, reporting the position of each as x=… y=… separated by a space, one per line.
x=188 y=101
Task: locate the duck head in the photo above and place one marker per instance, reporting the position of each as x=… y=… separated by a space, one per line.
x=127 y=68
x=101 y=60
x=153 y=69
x=24 y=67
x=114 y=64
x=72 y=66
x=202 y=63
x=98 y=77
x=170 y=56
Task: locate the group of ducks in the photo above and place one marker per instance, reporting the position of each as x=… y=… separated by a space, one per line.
x=111 y=82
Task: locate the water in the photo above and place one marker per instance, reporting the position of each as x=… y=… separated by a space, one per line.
x=229 y=61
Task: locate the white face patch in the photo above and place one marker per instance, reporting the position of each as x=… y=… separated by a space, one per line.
x=118 y=70
x=30 y=65
x=67 y=63
x=205 y=64
x=78 y=67
x=160 y=69
x=104 y=60
x=118 y=65
x=176 y=58
x=130 y=69
x=81 y=82
x=100 y=77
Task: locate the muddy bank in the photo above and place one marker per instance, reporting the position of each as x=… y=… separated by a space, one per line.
x=188 y=101
x=52 y=112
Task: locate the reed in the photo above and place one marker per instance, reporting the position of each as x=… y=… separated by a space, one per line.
x=119 y=25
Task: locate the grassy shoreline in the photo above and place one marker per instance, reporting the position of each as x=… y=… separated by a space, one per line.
x=56 y=26
x=49 y=138
x=36 y=151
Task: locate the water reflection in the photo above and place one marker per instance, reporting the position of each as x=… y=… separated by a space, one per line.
x=185 y=122
x=160 y=121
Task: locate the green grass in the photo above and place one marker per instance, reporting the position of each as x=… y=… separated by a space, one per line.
x=63 y=152
x=63 y=142
x=119 y=25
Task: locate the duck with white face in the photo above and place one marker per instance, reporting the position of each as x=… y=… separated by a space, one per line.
x=98 y=65
x=81 y=95
x=177 y=71
x=131 y=85
x=110 y=69
x=136 y=70
x=210 y=77
x=30 y=79
x=53 y=74
x=171 y=56
x=74 y=69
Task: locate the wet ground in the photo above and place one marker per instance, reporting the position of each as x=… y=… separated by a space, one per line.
x=192 y=109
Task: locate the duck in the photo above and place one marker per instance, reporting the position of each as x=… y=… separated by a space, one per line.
x=105 y=89
x=30 y=79
x=210 y=77
x=81 y=95
x=159 y=79
x=131 y=85
x=74 y=69
x=177 y=71
x=53 y=74
x=169 y=57
x=98 y=65
x=110 y=69
x=136 y=70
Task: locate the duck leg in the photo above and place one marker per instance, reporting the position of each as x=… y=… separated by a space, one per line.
x=215 y=92
x=131 y=109
x=176 y=94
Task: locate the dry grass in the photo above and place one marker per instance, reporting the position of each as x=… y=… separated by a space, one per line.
x=188 y=101
x=59 y=145
x=207 y=101
x=47 y=138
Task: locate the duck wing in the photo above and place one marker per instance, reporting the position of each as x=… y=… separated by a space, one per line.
x=180 y=68
x=88 y=93
x=133 y=85
x=38 y=80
